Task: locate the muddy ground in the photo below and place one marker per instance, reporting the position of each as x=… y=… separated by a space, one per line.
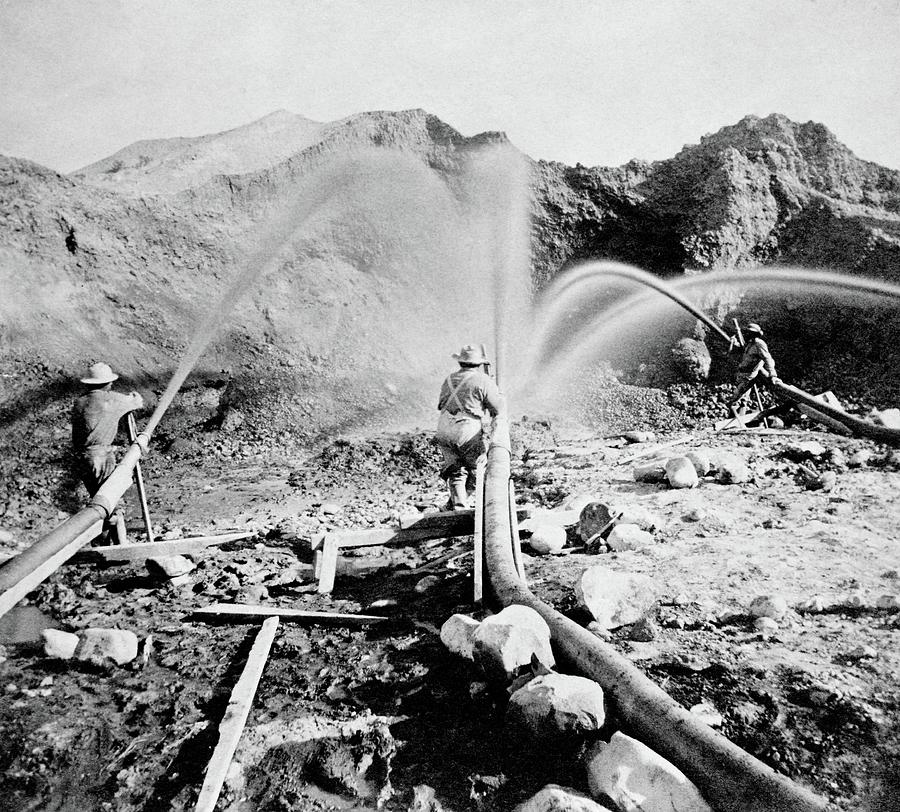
x=347 y=718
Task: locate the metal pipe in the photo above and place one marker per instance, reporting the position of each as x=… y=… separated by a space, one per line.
x=730 y=779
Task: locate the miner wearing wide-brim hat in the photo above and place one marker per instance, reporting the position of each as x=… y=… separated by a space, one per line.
x=95 y=423
x=467 y=396
x=755 y=356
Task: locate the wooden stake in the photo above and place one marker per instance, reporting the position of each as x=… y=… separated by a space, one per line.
x=232 y=724
x=514 y=534
x=328 y=564
x=247 y=611
x=139 y=479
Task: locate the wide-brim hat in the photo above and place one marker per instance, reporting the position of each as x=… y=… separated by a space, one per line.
x=470 y=354
x=753 y=327
x=99 y=373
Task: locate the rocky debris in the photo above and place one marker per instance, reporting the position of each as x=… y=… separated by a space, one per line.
x=59 y=644
x=169 y=566
x=458 y=635
x=636 y=778
x=862 y=653
x=554 y=704
x=859 y=458
x=773 y=606
x=650 y=471
x=615 y=598
x=547 y=539
x=707 y=713
x=701 y=459
x=681 y=473
x=732 y=470
x=691 y=359
x=594 y=517
x=99 y=646
x=889 y=418
x=628 y=537
x=644 y=631
x=555 y=798
x=505 y=642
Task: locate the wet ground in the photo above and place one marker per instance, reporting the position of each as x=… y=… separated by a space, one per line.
x=353 y=718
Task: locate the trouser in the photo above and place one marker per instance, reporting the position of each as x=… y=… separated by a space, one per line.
x=742 y=386
x=95 y=467
x=460 y=462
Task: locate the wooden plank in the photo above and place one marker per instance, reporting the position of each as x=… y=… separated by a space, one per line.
x=438 y=519
x=649 y=452
x=478 y=535
x=139 y=552
x=248 y=611
x=328 y=564
x=232 y=725
x=38 y=575
x=514 y=534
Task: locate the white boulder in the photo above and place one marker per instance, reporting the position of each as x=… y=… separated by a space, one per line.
x=681 y=473
x=641 y=516
x=701 y=459
x=505 y=642
x=628 y=537
x=552 y=704
x=639 y=780
x=58 y=644
x=169 y=566
x=615 y=598
x=732 y=470
x=547 y=539
x=100 y=645
x=458 y=635
x=554 y=798
x=650 y=471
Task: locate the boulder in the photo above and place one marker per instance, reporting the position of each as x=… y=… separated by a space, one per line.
x=641 y=516
x=701 y=459
x=101 y=645
x=505 y=642
x=547 y=539
x=628 y=537
x=773 y=606
x=650 y=471
x=458 y=635
x=615 y=598
x=681 y=473
x=554 y=704
x=732 y=470
x=691 y=359
x=639 y=780
x=169 y=566
x=889 y=418
x=593 y=518
x=58 y=644
x=554 y=798
x=805 y=450
x=644 y=631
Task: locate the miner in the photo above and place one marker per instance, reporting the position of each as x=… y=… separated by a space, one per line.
x=755 y=356
x=466 y=396
x=95 y=423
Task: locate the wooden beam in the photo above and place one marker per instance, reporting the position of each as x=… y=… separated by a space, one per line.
x=328 y=564
x=438 y=519
x=478 y=565
x=651 y=451
x=254 y=612
x=39 y=574
x=232 y=725
x=139 y=552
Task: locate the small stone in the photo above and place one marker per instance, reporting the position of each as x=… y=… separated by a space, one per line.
x=628 y=537
x=639 y=437
x=680 y=473
x=889 y=418
x=169 y=566
x=643 y=631
x=653 y=471
x=615 y=598
x=766 y=627
x=773 y=606
x=553 y=704
x=555 y=798
x=888 y=602
x=424 y=584
x=695 y=515
x=837 y=458
x=805 y=450
x=458 y=635
x=814 y=603
x=505 y=642
x=732 y=470
x=634 y=777
x=256 y=593
x=424 y=800
x=100 y=645
x=593 y=518
x=58 y=644
x=860 y=458
x=547 y=539
x=641 y=516
x=862 y=653
x=707 y=713
x=331 y=508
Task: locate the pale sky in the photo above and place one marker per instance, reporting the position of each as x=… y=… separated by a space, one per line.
x=596 y=82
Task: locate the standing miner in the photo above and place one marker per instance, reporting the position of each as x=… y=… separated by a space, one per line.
x=95 y=423
x=465 y=397
x=755 y=356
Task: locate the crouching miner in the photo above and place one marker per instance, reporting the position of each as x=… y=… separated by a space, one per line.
x=466 y=396
x=755 y=356
x=95 y=423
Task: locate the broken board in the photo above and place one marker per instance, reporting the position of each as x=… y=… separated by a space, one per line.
x=154 y=549
x=246 y=612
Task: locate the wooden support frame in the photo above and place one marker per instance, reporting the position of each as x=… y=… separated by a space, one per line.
x=232 y=724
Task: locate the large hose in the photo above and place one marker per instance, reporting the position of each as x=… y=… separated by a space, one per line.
x=730 y=779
